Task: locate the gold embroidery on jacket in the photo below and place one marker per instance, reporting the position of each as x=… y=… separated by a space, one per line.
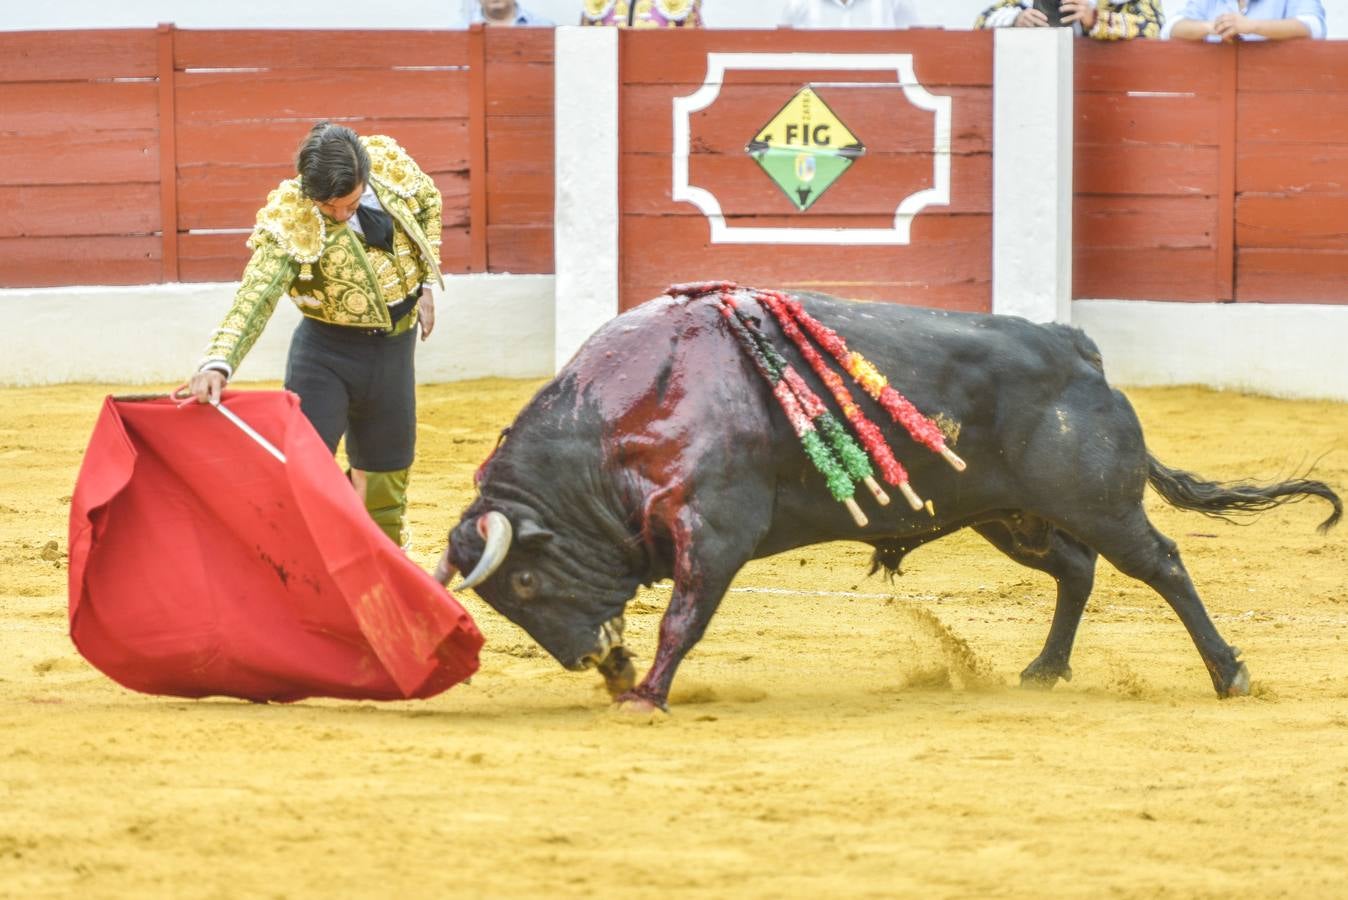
x=324 y=267
x=294 y=221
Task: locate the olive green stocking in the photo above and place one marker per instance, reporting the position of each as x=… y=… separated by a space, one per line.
x=386 y=501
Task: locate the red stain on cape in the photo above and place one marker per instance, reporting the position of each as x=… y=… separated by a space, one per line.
x=200 y=565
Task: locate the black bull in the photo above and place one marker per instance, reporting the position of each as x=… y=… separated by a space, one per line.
x=659 y=452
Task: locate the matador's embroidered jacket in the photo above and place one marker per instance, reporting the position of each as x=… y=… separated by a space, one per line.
x=643 y=13
x=325 y=267
x=1114 y=21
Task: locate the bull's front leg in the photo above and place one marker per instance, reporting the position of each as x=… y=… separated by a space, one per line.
x=702 y=572
x=684 y=622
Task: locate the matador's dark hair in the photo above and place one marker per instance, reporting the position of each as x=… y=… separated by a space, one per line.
x=331 y=162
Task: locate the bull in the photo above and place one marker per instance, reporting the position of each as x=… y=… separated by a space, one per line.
x=658 y=453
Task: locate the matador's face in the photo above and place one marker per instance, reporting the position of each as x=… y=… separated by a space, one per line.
x=341 y=208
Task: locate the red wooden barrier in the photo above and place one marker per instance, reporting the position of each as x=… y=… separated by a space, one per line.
x=108 y=135
x=1149 y=140
x=1291 y=175
x=519 y=136
x=79 y=158
x=1202 y=172
x=949 y=260
x=244 y=100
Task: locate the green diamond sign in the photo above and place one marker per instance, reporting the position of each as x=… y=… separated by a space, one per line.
x=805 y=148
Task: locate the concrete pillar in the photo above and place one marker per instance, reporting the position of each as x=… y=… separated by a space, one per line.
x=1032 y=174
x=586 y=217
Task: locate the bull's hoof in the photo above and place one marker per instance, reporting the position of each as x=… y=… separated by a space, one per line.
x=620 y=675
x=621 y=683
x=634 y=706
x=1239 y=685
x=1040 y=676
x=639 y=708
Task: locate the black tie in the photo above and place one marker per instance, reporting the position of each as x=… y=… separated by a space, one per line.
x=377 y=226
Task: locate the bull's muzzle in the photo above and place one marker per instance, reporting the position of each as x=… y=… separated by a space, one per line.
x=610 y=638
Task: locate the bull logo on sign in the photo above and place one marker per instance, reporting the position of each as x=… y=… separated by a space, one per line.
x=806 y=148
x=799 y=144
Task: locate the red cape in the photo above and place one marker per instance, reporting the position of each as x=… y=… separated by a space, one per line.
x=200 y=565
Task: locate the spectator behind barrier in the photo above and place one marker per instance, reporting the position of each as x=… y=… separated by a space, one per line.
x=849 y=14
x=503 y=12
x=642 y=13
x=1101 y=20
x=1253 y=20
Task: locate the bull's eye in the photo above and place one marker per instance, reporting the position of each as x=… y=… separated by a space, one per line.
x=524 y=583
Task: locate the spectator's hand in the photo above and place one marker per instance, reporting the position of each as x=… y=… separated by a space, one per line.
x=1031 y=18
x=1082 y=11
x=426 y=315
x=203 y=387
x=1230 y=26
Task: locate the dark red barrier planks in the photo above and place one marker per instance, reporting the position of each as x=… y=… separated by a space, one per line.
x=316 y=94
x=1291 y=244
x=1148 y=143
x=1157 y=273
x=71 y=210
x=43 y=56
x=319 y=49
x=947 y=263
x=100 y=259
x=940 y=57
x=1292 y=276
x=519 y=183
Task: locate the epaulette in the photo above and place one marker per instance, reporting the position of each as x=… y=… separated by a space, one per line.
x=294 y=221
x=391 y=166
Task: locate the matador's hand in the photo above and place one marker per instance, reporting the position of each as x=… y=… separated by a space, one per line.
x=203 y=387
x=426 y=316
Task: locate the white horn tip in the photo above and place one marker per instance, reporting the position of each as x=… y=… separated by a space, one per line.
x=496 y=532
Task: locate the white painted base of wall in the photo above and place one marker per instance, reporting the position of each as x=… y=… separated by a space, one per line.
x=486 y=325
x=504 y=326
x=1283 y=350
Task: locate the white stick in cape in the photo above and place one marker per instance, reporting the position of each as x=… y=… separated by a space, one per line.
x=248 y=430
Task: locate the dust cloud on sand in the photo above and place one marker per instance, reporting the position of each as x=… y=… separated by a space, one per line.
x=832 y=734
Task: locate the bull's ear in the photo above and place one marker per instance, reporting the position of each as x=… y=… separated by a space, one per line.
x=531 y=534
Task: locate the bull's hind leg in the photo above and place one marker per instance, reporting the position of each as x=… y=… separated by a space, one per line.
x=1035 y=543
x=1134 y=546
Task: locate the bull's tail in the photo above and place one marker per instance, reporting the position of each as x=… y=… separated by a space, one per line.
x=1221 y=499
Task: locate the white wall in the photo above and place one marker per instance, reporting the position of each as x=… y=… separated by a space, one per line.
x=15 y=14
x=1285 y=350
x=486 y=325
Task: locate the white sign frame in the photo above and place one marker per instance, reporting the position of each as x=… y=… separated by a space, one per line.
x=901 y=63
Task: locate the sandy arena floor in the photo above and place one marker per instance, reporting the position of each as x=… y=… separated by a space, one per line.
x=830 y=736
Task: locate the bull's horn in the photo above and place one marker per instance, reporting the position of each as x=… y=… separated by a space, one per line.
x=445 y=570
x=495 y=530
